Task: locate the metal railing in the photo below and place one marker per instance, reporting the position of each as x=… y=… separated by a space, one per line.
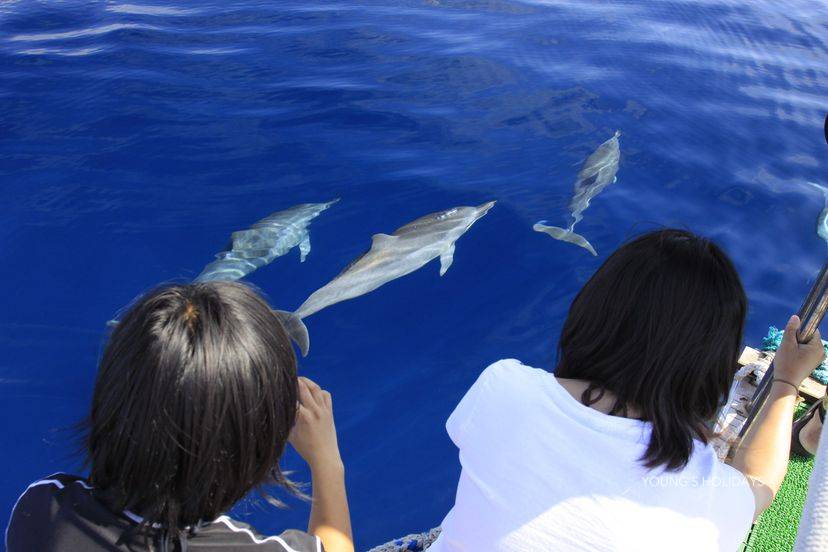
x=811 y=314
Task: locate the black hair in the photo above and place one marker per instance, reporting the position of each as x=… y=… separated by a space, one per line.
x=659 y=326
x=195 y=396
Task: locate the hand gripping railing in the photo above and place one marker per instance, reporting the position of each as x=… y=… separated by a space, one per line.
x=811 y=313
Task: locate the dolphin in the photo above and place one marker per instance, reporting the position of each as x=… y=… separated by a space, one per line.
x=266 y=240
x=822 y=220
x=597 y=173
x=390 y=257
x=263 y=242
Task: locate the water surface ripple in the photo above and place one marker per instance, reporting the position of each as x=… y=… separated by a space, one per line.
x=135 y=137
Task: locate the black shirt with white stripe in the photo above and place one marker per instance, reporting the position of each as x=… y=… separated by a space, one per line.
x=61 y=512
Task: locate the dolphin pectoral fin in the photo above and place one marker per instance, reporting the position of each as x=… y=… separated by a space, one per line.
x=565 y=235
x=446 y=258
x=614 y=179
x=381 y=240
x=296 y=330
x=304 y=248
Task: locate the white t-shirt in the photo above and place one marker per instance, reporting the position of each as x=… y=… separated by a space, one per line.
x=541 y=471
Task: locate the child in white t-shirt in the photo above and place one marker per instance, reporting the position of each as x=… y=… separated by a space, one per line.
x=610 y=453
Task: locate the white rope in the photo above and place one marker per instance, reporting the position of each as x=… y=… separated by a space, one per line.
x=813 y=527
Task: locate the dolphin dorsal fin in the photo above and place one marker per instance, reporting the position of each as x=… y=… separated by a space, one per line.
x=236 y=238
x=381 y=240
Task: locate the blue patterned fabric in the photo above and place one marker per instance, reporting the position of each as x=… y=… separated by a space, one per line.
x=410 y=543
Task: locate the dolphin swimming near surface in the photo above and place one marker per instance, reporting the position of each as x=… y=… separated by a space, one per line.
x=597 y=173
x=822 y=220
x=263 y=242
x=266 y=240
x=390 y=257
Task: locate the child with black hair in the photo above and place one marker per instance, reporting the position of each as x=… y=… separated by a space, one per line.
x=196 y=397
x=611 y=451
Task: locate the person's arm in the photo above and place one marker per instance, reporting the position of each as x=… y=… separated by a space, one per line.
x=329 y=519
x=763 y=454
x=314 y=438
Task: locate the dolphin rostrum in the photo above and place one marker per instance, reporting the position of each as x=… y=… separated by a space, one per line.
x=266 y=240
x=597 y=173
x=390 y=257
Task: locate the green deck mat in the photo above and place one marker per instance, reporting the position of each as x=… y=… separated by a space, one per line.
x=776 y=530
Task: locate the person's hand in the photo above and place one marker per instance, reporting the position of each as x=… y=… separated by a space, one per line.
x=795 y=361
x=314 y=435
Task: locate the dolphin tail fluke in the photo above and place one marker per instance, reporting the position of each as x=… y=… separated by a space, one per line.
x=296 y=329
x=565 y=235
x=820 y=188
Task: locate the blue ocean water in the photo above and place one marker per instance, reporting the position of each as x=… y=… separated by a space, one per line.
x=134 y=138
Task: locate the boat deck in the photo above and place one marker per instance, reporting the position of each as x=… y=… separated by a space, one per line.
x=752 y=367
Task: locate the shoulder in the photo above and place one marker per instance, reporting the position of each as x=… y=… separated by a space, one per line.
x=49 y=488
x=245 y=536
x=35 y=509
x=58 y=480
x=509 y=376
x=511 y=370
x=500 y=377
x=496 y=388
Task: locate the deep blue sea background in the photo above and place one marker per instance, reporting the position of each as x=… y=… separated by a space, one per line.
x=134 y=138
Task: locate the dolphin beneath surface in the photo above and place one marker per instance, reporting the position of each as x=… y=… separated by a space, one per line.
x=597 y=173
x=390 y=257
x=266 y=240
x=822 y=221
